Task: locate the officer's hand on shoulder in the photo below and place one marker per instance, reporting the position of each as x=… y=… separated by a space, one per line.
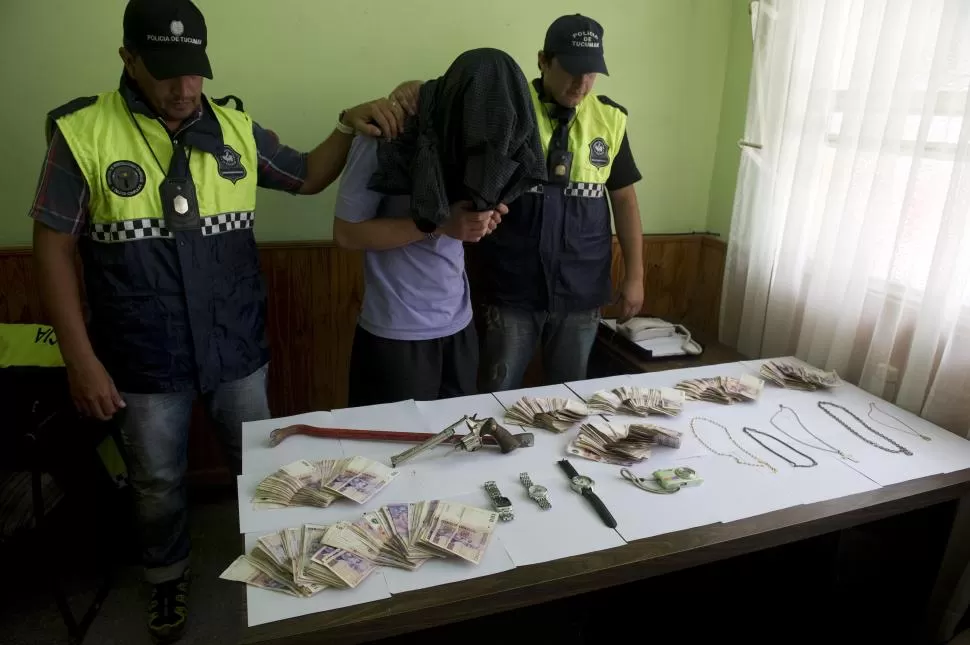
x=407 y=95
x=469 y=225
x=378 y=118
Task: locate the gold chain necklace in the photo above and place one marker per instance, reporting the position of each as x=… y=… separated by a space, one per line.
x=760 y=463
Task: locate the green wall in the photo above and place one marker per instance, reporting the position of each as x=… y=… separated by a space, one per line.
x=296 y=63
x=734 y=102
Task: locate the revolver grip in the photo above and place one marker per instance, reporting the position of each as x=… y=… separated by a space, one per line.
x=503 y=437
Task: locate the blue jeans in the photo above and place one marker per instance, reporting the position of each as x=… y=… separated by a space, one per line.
x=511 y=336
x=155 y=430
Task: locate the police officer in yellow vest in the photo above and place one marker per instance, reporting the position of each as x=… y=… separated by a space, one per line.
x=546 y=269
x=155 y=185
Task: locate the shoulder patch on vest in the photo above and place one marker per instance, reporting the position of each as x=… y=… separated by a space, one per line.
x=72 y=106
x=125 y=178
x=605 y=100
x=224 y=101
x=62 y=111
x=599 y=152
x=230 y=164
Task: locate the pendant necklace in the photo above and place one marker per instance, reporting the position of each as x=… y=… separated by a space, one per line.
x=911 y=429
x=759 y=463
x=826 y=446
x=824 y=407
x=751 y=432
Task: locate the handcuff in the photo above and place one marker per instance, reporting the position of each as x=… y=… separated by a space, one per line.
x=664 y=482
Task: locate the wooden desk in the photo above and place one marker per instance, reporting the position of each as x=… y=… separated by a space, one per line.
x=634 y=561
x=612 y=355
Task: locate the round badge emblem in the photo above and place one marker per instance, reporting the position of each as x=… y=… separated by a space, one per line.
x=177 y=28
x=599 y=152
x=125 y=178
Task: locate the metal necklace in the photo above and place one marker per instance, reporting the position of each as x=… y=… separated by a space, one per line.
x=824 y=405
x=759 y=463
x=751 y=432
x=826 y=446
x=912 y=430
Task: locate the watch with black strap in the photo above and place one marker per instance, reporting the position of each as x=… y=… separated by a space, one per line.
x=584 y=486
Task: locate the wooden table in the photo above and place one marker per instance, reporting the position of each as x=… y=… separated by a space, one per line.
x=634 y=561
x=642 y=559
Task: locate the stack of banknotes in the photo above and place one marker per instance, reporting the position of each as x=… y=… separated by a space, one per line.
x=551 y=413
x=320 y=483
x=621 y=444
x=306 y=560
x=798 y=377
x=639 y=401
x=723 y=389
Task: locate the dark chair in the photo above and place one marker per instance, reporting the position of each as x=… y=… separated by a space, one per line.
x=44 y=436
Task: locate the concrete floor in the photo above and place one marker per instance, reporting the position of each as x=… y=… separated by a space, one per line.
x=217 y=607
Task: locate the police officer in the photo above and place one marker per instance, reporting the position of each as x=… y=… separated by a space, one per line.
x=545 y=271
x=155 y=185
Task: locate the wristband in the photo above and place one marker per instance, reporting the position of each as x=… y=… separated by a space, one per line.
x=341 y=128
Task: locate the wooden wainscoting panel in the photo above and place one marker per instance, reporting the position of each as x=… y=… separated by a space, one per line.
x=19 y=298
x=314 y=291
x=704 y=308
x=669 y=269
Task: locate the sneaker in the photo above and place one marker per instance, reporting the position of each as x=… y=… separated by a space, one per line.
x=168 y=610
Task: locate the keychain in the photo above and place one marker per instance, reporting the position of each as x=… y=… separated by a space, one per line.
x=666 y=481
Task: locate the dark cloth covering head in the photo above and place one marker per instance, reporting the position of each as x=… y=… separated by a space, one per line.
x=474 y=138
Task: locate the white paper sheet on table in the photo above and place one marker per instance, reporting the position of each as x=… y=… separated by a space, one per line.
x=831 y=478
x=571 y=527
x=585 y=389
x=402 y=416
x=730 y=491
x=457 y=472
x=440 y=469
x=945 y=453
x=265 y=606
x=640 y=514
x=438 y=415
x=259 y=459
x=442 y=571
x=509 y=397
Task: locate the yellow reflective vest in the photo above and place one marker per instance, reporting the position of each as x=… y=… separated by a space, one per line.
x=174 y=306
x=552 y=251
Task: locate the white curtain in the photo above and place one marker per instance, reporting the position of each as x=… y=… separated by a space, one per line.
x=849 y=243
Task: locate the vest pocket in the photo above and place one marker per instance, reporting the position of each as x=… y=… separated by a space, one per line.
x=143 y=340
x=584 y=266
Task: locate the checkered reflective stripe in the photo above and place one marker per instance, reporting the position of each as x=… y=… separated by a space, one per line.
x=226 y=222
x=576 y=189
x=129 y=230
x=580 y=189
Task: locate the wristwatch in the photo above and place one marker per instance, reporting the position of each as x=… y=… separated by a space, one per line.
x=501 y=503
x=536 y=492
x=584 y=486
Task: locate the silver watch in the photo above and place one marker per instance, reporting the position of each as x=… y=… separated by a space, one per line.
x=536 y=492
x=502 y=504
